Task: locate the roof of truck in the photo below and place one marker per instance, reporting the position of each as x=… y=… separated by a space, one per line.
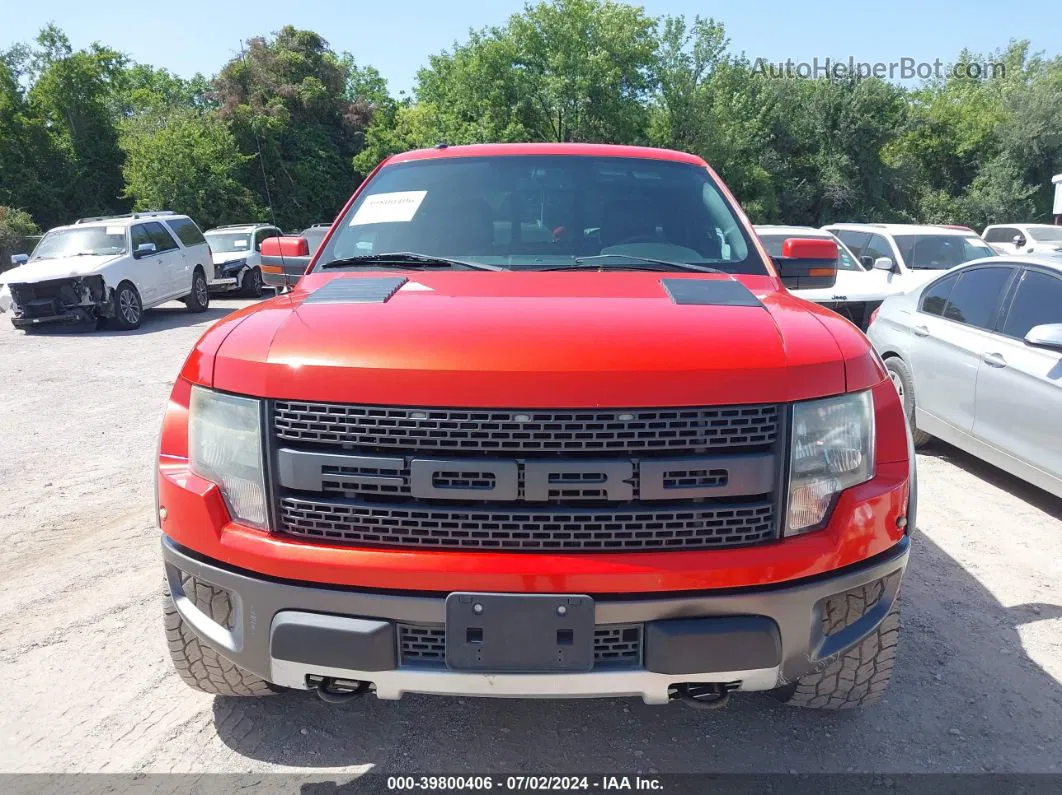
x=586 y=150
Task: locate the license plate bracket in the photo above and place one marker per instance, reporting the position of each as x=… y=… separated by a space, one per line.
x=519 y=633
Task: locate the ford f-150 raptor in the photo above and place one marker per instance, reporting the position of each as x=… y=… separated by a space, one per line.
x=539 y=420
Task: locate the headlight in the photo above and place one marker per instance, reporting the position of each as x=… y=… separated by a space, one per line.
x=225 y=446
x=832 y=449
x=5 y=297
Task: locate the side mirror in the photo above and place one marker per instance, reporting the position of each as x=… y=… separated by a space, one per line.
x=285 y=246
x=884 y=264
x=1047 y=335
x=145 y=250
x=284 y=260
x=19 y=259
x=807 y=263
x=1019 y=241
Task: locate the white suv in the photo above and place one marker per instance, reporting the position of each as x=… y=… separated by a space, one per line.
x=1024 y=238
x=237 y=253
x=905 y=256
x=107 y=271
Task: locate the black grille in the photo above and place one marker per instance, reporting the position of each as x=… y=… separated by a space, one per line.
x=615 y=645
x=694 y=527
x=435 y=429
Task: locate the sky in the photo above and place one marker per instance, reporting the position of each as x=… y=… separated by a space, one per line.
x=397 y=37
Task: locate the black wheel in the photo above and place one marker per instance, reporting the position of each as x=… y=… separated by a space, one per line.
x=128 y=308
x=252 y=284
x=900 y=375
x=199 y=299
x=860 y=676
x=198 y=665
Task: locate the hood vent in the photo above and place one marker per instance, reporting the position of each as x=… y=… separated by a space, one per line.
x=356 y=290
x=709 y=292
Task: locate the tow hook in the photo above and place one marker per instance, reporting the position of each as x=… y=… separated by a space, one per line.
x=703 y=695
x=337 y=691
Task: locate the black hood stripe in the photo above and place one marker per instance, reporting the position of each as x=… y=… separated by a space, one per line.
x=709 y=292
x=371 y=290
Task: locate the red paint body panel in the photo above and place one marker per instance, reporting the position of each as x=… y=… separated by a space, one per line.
x=863 y=524
x=285 y=246
x=809 y=248
x=524 y=339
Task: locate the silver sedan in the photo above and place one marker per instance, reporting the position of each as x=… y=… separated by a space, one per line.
x=976 y=355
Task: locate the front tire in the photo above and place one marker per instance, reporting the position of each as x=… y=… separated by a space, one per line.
x=198 y=665
x=252 y=284
x=128 y=308
x=903 y=380
x=199 y=299
x=860 y=676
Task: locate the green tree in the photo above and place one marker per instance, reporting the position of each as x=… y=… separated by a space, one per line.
x=71 y=96
x=15 y=226
x=186 y=160
x=285 y=100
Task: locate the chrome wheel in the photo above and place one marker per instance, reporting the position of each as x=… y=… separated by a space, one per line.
x=129 y=307
x=202 y=295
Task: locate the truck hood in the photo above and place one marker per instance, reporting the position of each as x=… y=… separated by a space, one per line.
x=220 y=258
x=514 y=340
x=42 y=270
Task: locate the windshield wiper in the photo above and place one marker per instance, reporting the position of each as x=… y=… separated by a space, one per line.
x=407 y=259
x=596 y=262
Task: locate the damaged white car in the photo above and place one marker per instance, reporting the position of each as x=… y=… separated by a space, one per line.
x=107 y=271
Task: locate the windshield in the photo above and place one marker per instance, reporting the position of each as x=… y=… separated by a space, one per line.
x=940 y=252
x=528 y=212
x=228 y=242
x=845 y=259
x=89 y=240
x=1046 y=234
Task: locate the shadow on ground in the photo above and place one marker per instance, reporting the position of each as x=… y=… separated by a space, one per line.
x=965 y=697
x=1036 y=497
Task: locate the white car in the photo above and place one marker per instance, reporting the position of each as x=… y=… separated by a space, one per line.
x=976 y=355
x=905 y=256
x=1024 y=238
x=107 y=271
x=857 y=291
x=237 y=255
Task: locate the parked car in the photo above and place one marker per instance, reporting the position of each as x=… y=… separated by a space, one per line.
x=907 y=255
x=976 y=355
x=857 y=292
x=1024 y=238
x=541 y=420
x=237 y=253
x=107 y=271
x=315 y=235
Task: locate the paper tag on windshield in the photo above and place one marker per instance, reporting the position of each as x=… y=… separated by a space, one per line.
x=115 y=230
x=389 y=208
x=239 y=243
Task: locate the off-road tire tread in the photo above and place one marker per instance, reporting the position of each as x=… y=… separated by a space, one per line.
x=199 y=665
x=860 y=676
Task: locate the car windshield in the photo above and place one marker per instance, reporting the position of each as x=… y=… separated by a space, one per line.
x=1046 y=234
x=84 y=241
x=228 y=242
x=846 y=261
x=940 y=252
x=529 y=212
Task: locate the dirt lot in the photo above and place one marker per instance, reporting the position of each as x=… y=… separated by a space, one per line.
x=88 y=685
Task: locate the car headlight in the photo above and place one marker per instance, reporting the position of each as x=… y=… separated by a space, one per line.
x=832 y=448
x=5 y=297
x=225 y=447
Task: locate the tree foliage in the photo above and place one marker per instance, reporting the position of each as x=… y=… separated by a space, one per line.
x=289 y=126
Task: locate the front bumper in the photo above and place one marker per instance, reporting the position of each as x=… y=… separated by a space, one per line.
x=747 y=639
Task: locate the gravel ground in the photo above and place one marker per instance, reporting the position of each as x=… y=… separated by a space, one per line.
x=88 y=685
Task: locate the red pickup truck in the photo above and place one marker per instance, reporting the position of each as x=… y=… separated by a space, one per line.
x=539 y=420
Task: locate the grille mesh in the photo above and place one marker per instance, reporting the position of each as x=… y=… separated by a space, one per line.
x=615 y=645
x=435 y=429
x=698 y=527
